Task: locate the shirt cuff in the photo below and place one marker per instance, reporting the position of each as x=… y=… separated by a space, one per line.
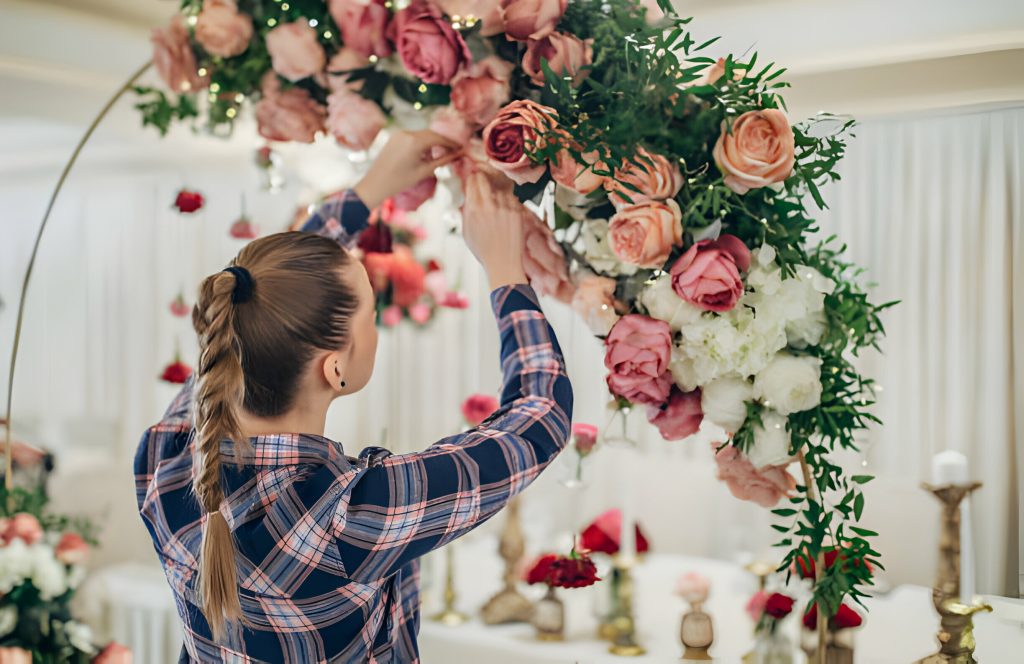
x=517 y=297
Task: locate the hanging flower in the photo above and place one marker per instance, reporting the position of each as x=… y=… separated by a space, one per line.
x=176 y=372
x=576 y=570
x=540 y=570
x=188 y=201
x=478 y=407
x=584 y=438
x=244 y=229
x=179 y=307
x=708 y=274
x=679 y=417
x=22 y=526
x=602 y=535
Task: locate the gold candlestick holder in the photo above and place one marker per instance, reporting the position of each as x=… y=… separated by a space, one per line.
x=956 y=631
x=449 y=615
x=509 y=605
x=623 y=626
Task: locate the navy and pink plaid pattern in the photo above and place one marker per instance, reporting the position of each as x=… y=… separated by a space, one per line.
x=328 y=544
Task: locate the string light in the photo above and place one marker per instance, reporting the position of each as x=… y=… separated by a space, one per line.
x=285 y=6
x=313 y=22
x=272 y=22
x=422 y=88
x=417 y=106
x=192 y=20
x=373 y=58
x=214 y=87
x=231 y=112
x=239 y=97
x=202 y=71
x=328 y=34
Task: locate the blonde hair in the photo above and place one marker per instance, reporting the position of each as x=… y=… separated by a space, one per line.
x=251 y=355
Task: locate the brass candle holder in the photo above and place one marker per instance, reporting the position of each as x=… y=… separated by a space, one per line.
x=623 y=626
x=509 y=605
x=449 y=615
x=956 y=631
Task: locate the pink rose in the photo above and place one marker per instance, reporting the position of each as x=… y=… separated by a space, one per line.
x=429 y=46
x=693 y=587
x=71 y=549
x=222 y=30
x=477 y=408
x=543 y=260
x=173 y=57
x=420 y=313
x=708 y=274
x=291 y=115
x=531 y=19
x=581 y=178
x=353 y=120
x=244 y=229
x=23 y=526
x=765 y=486
x=584 y=437
x=486 y=11
x=339 y=66
x=679 y=417
x=594 y=302
x=515 y=130
x=391 y=316
x=415 y=196
x=566 y=54
x=295 y=50
x=654 y=177
x=15 y=656
x=363 y=25
x=755 y=607
x=758 y=152
x=114 y=653
x=637 y=353
x=644 y=234
x=479 y=91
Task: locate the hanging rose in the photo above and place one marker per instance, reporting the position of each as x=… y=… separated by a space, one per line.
x=478 y=407
x=289 y=115
x=431 y=49
x=543 y=259
x=353 y=120
x=594 y=302
x=757 y=152
x=512 y=133
x=567 y=171
x=708 y=274
x=603 y=533
x=179 y=307
x=649 y=176
x=480 y=90
x=540 y=570
x=188 y=202
x=222 y=30
x=531 y=19
x=764 y=486
x=176 y=372
x=644 y=234
x=244 y=229
x=412 y=198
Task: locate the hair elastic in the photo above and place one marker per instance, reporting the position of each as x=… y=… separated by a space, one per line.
x=243 y=284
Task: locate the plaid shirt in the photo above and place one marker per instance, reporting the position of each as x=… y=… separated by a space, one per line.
x=328 y=544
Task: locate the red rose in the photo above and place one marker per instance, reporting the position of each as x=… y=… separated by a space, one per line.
x=679 y=417
x=188 y=202
x=478 y=407
x=844 y=618
x=637 y=353
x=376 y=238
x=602 y=535
x=176 y=372
x=429 y=46
x=708 y=274
x=244 y=229
x=778 y=606
x=805 y=567
x=71 y=549
x=575 y=571
x=539 y=571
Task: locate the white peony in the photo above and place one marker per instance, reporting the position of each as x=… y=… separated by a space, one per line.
x=16 y=564
x=662 y=302
x=80 y=636
x=8 y=620
x=49 y=575
x=771 y=441
x=790 y=383
x=594 y=234
x=724 y=401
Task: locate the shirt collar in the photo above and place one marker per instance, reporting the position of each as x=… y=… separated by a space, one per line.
x=287 y=449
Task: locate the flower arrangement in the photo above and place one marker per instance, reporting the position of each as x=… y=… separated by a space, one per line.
x=677 y=196
x=767 y=610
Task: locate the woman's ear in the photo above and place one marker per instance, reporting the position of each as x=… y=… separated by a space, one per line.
x=333 y=368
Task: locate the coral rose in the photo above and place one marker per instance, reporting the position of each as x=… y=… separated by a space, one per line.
x=429 y=46
x=71 y=549
x=363 y=25
x=765 y=486
x=222 y=30
x=479 y=91
x=653 y=177
x=353 y=120
x=566 y=55
x=580 y=177
x=23 y=526
x=637 y=354
x=758 y=152
x=295 y=50
x=531 y=19
x=416 y=195
x=708 y=274
x=644 y=234
x=543 y=259
x=515 y=130
x=407 y=277
x=173 y=57
x=290 y=115
x=114 y=653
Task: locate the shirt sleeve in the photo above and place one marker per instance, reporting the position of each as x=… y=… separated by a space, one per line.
x=400 y=507
x=341 y=219
x=153 y=446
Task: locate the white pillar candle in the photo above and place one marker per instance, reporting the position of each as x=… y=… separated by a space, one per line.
x=950 y=467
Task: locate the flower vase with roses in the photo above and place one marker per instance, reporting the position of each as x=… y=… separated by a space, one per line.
x=771 y=646
x=575 y=570
x=678 y=206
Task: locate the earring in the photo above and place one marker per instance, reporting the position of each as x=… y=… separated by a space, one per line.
x=342 y=384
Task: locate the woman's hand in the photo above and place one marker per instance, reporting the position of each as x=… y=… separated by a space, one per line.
x=407 y=158
x=493 y=230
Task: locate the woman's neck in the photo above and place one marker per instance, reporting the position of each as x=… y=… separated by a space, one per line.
x=297 y=420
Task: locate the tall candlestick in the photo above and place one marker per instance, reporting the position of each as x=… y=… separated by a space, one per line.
x=950 y=467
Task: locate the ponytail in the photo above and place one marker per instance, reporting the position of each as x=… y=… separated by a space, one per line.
x=220 y=389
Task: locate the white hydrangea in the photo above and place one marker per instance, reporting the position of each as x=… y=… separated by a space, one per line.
x=16 y=565
x=663 y=303
x=771 y=441
x=8 y=620
x=594 y=235
x=724 y=401
x=799 y=301
x=49 y=575
x=790 y=383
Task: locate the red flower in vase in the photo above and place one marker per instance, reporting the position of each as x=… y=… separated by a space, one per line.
x=478 y=407
x=244 y=229
x=540 y=570
x=179 y=307
x=376 y=239
x=602 y=536
x=188 y=202
x=176 y=372
x=844 y=618
x=778 y=606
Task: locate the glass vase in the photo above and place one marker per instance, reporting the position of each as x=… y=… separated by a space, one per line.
x=549 y=617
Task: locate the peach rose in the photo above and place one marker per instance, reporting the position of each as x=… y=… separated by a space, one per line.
x=566 y=54
x=708 y=274
x=173 y=57
x=679 y=417
x=295 y=50
x=363 y=25
x=653 y=175
x=516 y=129
x=531 y=19
x=758 y=152
x=487 y=12
x=353 y=120
x=644 y=234
x=222 y=30
x=711 y=75
x=594 y=302
x=71 y=549
x=637 y=353
x=543 y=259
x=581 y=178
x=766 y=486
x=479 y=91
x=114 y=653
x=342 y=62
x=430 y=48
x=15 y=656
x=23 y=526
x=291 y=115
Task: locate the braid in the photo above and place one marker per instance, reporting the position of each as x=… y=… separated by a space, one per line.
x=220 y=389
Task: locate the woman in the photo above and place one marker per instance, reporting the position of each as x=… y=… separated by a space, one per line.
x=279 y=547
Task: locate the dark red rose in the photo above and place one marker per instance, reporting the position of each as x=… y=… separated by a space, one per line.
x=376 y=239
x=805 y=567
x=188 y=202
x=574 y=571
x=540 y=570
x=176 y=372
x=602 y=536
x=778 y=605
x=844 y=618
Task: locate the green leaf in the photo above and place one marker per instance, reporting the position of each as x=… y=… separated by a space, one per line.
x=858 y=506
x=862 y=479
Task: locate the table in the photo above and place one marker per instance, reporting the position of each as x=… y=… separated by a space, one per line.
x=899 y=629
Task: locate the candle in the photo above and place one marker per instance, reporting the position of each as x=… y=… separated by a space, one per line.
x=950 y=467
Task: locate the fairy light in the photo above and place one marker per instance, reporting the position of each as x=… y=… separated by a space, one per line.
x=271 y=22
x=239 y=98
x=192 y=20
x=214 y=87
x=285 y=6
x=418 y=106
x=373 y=58
x=328 y=34
x=202 y=71
x=231 y=112
x=423 y=87
x=213 y=97
x=313 y=22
